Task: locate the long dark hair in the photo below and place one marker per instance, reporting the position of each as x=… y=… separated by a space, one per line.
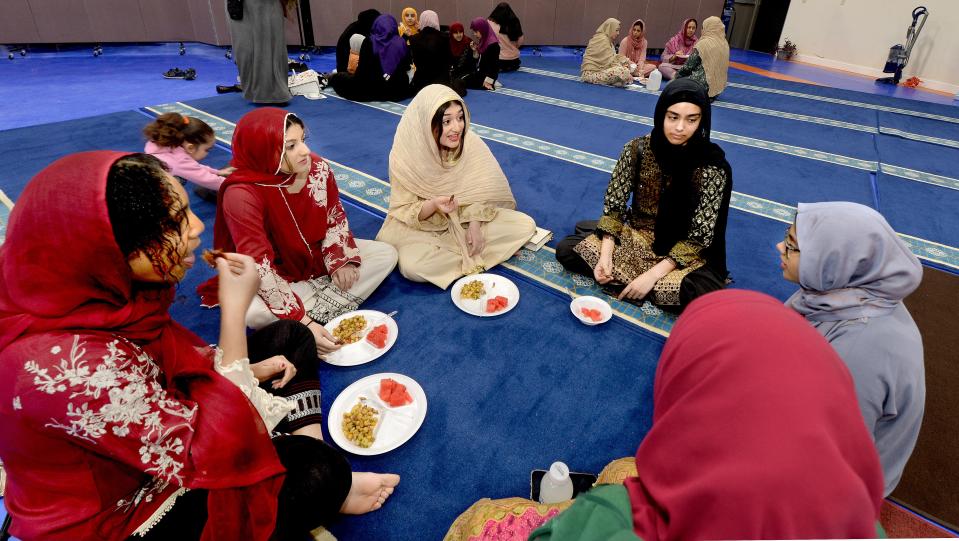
x=144 y=211
x=508 y=22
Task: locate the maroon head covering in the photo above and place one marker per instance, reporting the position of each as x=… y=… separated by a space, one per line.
x=64 y=272
x=756 y=432
x=679 y=43
x=457 y=47
x=481 y=25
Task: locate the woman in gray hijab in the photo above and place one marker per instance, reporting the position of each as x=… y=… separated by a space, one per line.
x=854 y=271
x=259 y=50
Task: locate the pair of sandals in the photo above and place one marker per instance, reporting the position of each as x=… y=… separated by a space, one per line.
x=176 y=73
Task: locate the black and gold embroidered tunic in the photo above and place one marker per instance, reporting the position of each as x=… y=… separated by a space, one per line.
x=685 y=221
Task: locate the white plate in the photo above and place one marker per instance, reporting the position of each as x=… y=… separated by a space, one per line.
x=396 y=425
x=494 y=285
x=362 y=351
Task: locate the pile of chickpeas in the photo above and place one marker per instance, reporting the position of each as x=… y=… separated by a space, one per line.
x=359 y=424
x=350 y=330
x=472 y=290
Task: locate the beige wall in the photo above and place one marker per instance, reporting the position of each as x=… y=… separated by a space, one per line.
x=545 y=22
x=855 y=35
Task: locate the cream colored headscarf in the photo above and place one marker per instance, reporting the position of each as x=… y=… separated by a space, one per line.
x=714 y=51
x=600 y=53
x=417 y=166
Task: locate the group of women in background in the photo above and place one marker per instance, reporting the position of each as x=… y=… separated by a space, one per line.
x=704 y=59
x=108 y=404
x=380 y=59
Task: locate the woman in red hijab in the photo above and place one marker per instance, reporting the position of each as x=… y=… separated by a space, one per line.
x=116 y=420
x=282 y=208
x=756 y=435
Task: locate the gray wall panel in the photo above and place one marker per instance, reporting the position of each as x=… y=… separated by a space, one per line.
x=116 y=20
x=16 y=23
x=545 y=22
x=163 y=20
x=61 y=21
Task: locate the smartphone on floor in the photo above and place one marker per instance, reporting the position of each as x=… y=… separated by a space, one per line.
x=582 y=482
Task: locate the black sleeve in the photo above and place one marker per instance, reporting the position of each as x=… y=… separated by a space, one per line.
x=343 y=49
x=489 y=62
x=370 y=68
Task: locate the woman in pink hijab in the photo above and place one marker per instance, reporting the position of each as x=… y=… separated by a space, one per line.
x=633 y=47
x=678 y=49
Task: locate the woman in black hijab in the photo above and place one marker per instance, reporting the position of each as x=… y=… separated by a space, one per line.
x=362 y=26
x=670 y=246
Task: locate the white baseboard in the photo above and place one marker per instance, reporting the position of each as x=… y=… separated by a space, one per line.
x=874 y=72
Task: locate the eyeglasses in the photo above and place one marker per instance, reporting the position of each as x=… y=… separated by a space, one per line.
x=790 y=247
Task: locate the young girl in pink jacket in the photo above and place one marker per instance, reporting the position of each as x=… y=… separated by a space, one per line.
x=181 y=142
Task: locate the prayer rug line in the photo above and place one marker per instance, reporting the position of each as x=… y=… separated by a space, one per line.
x=790 y=93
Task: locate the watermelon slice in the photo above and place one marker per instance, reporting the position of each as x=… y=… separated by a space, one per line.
x=592 y=313
x=378 y=336
x=496 y=304
x=394 y=393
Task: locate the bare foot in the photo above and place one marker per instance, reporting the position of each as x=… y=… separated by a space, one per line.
x=368 y=492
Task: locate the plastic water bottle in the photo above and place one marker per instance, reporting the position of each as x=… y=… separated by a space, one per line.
x=556 y=485
x=655 y=79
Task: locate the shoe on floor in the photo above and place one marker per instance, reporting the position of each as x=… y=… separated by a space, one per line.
x=224 y=89
x=189 y=74
x=174 y=73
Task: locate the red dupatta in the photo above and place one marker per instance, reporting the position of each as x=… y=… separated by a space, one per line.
x=63 y=272
x=756 y=432
x=296 y=240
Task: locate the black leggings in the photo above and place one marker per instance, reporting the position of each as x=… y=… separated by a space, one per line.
x=294 y=341
x=318 y=479
x=695 y=284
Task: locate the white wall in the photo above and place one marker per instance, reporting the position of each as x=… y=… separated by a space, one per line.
x=855 y=35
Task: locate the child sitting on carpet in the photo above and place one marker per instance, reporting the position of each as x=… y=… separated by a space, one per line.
x=356 y=41
x=854 y=271
x=119 y=422
x=181 y=142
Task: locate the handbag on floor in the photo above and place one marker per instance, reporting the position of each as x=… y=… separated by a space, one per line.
x=306 y=84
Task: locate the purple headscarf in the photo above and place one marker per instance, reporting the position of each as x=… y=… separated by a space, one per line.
x=853 y=264
x=387 y=43
x=482 y=26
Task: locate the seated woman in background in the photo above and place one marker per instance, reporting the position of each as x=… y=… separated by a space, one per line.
x=633 y=47
x=383 y=66
x=181 y=142
x=431 y=53
x=785 y=456
x=601 y=65
x=709 y=63
x=451 y=208
x=282 y=208
x=118 y=422
x=409 y=24
x=481 y=73
x=505 y=24
x=854 y=272
x=463 y=61
x=678 y=49
x=362 y=26
x=669 y=247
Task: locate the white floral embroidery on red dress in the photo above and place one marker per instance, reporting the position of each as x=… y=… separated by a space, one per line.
x=274 y=290
x=136 y=403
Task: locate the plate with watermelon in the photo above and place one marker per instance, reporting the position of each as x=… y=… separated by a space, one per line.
x=484 y=295
x=399 y=401
x=378 y=336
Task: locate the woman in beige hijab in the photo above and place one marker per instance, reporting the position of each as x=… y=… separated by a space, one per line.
x=709 y=63
x=601 y=65
x=451 y=208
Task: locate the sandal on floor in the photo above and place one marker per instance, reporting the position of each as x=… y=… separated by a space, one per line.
x=189 y=74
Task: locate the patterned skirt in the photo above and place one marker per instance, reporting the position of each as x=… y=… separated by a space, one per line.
x=614 y=76
x=633 y=256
